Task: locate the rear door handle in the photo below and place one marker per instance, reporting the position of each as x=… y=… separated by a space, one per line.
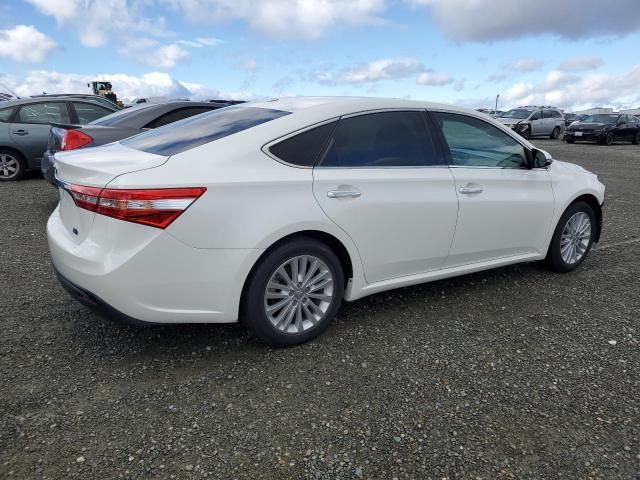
x=21 y=132
x=343 y=194
x=468 y=190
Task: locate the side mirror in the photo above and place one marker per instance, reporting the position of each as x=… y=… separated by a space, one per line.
x=539 y=159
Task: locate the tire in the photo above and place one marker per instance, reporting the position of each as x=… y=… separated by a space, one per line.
x=294 y=318
x=636 y=139
x=570 y=140
x=555 y=134
x=526 y=134
x=12 y=165
x=608 y=139
x=567 y=253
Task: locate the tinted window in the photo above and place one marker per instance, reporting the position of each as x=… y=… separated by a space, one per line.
x=536 y=116
x=45 y=112
x=476 y=143
x=120 y=116
x=178 y=114
x=88 y=112
x=303 y=149
x=195 y=131
x=396 y=139
x=5 y=114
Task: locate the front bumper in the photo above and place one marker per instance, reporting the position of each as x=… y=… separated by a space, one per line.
x=585 y=137
x=141 y=274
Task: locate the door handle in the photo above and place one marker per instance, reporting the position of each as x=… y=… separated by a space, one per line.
x=343 y=194
x=469 y=189
x=21 y=132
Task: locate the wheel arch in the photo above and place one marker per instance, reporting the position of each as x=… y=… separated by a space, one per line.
x=14 y=150
x=335 y=244
x=592 y=201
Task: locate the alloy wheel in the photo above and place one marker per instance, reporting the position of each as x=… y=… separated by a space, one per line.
x=575 y=238
x=9 y=166
x=299 y=294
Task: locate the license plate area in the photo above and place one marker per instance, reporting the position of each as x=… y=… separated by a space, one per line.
x=578 y=134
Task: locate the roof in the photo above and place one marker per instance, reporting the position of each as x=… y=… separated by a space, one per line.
x=40 y=98
x=347 y=105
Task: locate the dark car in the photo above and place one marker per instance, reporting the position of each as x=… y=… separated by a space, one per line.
x=122 y=124
x=605 y=128
x=25 y=124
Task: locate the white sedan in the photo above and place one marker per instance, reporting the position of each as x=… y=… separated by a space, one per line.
x=273 y=213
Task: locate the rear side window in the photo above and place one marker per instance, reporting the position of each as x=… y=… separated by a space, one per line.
x=178 y=114
x=88 y=112
x=45 y=112
x=386 y=139
x=5 y=114
x=195 y=131
x=555 y=114
x=303 y=149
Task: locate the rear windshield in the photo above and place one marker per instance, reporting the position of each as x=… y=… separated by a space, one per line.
x=204 y=128
x=119 y=116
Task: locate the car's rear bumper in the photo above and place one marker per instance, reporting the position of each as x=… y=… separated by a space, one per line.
x=140 y=274
x=48 y=171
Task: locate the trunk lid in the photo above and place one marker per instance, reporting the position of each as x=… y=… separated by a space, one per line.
x=94 y=167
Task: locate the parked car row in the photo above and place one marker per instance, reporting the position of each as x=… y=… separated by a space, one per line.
x=33 y=129
x=534 y=121
x=605 y=128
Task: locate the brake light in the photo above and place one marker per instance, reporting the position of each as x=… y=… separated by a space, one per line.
x=153 y=207
x=72 y=139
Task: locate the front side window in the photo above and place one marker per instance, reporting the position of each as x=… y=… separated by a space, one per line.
x=386 y=139
x=195 y=131
x=475 y=143
x=45 y=112
x=536 y=116
x=88 y=112
x=5 y=114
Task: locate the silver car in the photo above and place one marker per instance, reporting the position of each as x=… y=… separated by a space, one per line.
x=533 y=121
x=25 y=124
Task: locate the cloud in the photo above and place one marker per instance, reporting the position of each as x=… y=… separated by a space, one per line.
x=128 y=87
x=489 y=20
x=580 y=64
x=525 y=65
x=61 y=10
x=385 y=69
x=434 y=79
x=167 y=56
x=24 y=43
x=200 y=42
x=307 y=19
x=573 y=92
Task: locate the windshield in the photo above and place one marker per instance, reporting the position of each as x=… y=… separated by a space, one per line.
x=601 y=118
x=200 y=129
x=519 y=113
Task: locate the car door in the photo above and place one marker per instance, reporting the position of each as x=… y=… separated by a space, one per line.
x=537 y=123
x=384 y=183
x=505 y=209
x=30 y=127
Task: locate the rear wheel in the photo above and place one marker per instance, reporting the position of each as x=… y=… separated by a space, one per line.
x=555 y=134
x=12 y=165
x=294 y=293
x=572 y=238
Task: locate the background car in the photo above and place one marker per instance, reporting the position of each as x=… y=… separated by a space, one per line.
x=118 y=125
x=605 y=128
x=25 y=124
x=532 y=121
x=273 y=212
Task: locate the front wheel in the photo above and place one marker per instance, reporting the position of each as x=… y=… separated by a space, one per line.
x=608 y=139
x=293 y=293
x=636 y=138
x=570 y=140
x=572 y=238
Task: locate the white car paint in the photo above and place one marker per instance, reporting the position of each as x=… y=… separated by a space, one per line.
x=408 y=226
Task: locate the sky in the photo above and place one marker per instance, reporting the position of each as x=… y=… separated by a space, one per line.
x=572 y=54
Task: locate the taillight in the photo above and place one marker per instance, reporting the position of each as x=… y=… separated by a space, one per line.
x=72 y=139
x=156 y=207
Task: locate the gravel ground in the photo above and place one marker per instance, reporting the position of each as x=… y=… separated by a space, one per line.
x=512 y=373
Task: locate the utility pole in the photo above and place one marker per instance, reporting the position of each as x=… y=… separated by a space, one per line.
x=497 y=97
